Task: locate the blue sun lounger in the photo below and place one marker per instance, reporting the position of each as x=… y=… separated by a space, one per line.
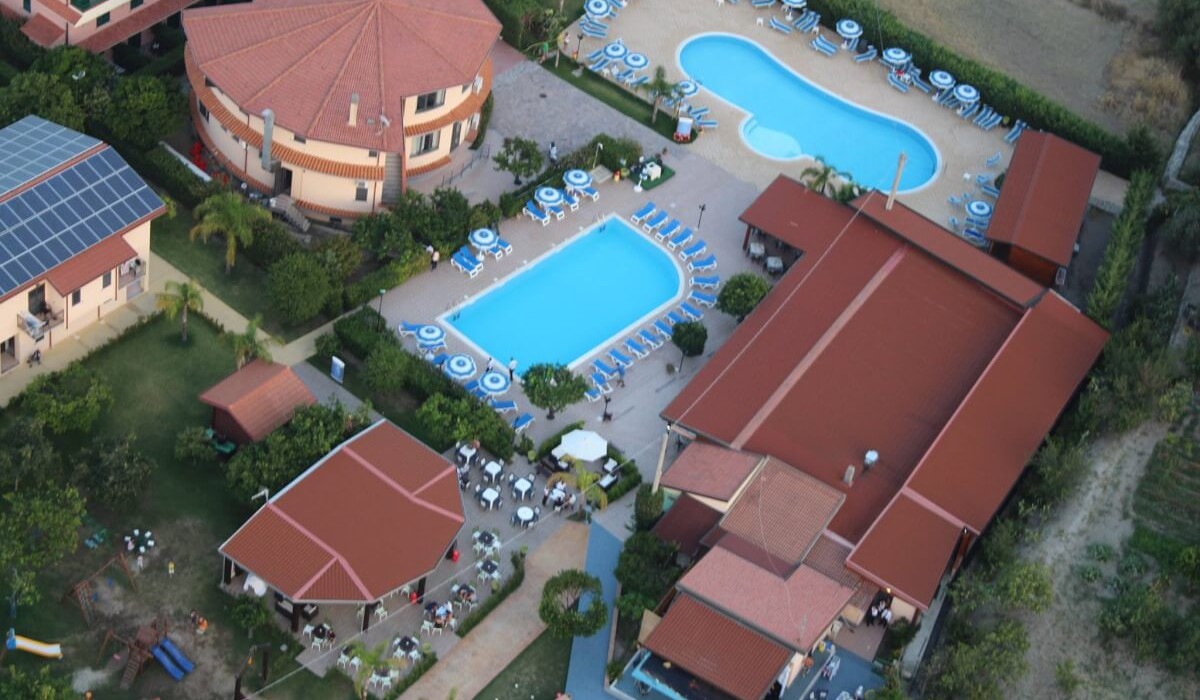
x=807 y=21
x=648 y=338
x=588 y=191
x=992 y=122
x=439 y=359
x=593 y=395
x=706 y=281
x=674 y=317
x=504 y=246
x=693 y=250
x=624 y=75
x=974 y=237
x=620 y=358
x=406 y=328
x=605 y=369
x=921 y=84
x=977 y=224
x=663 y=328
x=594 y=29
x=709 y=263
x=779 y=26
x=600 y=65
x=896 y=82
x=535 y=212
x=990 y=191
x=503 y=406
x=702 y=298
x=466 y=263
x=1015 y=132
x=595 y=55
x=570 y=200
x=982 y=115
x=601 y=383
x=639 y=351
x=522 y=422
x=644 y=213
x=667 y=231
x=970 y=111
x=680 y=238
x=697 y=112
x=654 y=222
x=824 y=46
x=691 y=312
x=868 y=55
x=706 y=123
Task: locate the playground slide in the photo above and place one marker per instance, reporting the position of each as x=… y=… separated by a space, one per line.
x=32 y=646
x=172 y=670
x=176 y=655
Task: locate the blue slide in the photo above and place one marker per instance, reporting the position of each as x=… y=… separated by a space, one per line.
x=177 y=656
x=172 y=670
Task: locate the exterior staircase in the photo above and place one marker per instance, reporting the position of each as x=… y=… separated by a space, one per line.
x=392 y=178
x=283 y=205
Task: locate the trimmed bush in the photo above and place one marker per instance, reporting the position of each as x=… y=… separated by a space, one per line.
x=485 y=116
x=391 y=275
x=497 y=597
x=166 y=171
x=418 y=669
x=297 y=287
x=271 y=243
x=1120 y=257
x=360 y=332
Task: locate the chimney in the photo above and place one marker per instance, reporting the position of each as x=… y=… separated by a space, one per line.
x=353 y=110
x=268 y=133
x=869 y=460
x=849 y=477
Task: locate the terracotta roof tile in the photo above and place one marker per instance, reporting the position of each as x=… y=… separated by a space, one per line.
x=794 y=609
x=828 y=556
x=136 y=22
x=91 y=263
x=62 y=9
x=44 y=31
x=1045 y=196
x=782 y=511
x=718 y=649
x=305 y=58
x=686 y=524
x=710 y=470
x=260 y=397
x=345 y=512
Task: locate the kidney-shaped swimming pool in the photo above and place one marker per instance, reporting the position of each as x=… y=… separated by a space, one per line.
x=789 y=117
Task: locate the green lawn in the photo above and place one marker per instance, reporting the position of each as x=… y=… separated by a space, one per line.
x=613 y=95
x=156 y=380
x=244 y=289
x=538 y=673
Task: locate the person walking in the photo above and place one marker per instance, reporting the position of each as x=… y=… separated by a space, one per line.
x=512 y=369
x=434 y=259
x=545 y=495
x=490 y=364
x=553 y=154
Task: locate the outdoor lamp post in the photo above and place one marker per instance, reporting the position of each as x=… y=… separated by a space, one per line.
x=596 y=157
x=381 y=293
x=701 y=219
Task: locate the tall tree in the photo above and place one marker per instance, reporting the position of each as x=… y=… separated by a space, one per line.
x=583 y=480
x=741 y=294
x=689 y=337
x=227 y=214
x=44 y=95
x=821 y=176
x=114 y=472
x=87 y=75
x=660 y=90
x=562 y=608
x=177 y=299
x=553 y=387
x=521 y=157
x=248 y=345
x=37 y=529
x=144 y=109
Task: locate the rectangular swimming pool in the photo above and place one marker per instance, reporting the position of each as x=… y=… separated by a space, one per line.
x=573 y=301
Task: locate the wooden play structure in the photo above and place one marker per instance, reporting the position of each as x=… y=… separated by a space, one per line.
x=138 y=649
x=83 y=594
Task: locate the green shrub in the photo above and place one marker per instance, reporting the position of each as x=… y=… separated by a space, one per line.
x=7 y=72
x=1120 y=256
x=618 y=152
x=130 y=58
x=15 y=47
x=452 y=417
x=70 y=400
x=328 y=345
x=193 y=447
x=497 y=597
x=647 y=566
x=170 y=63
x=485 y=116
x=647 y=507
x=562 y=606
x=251 y=614
x=271 y=243
x=391 y=275
x=414 y=674
x=297 y=288
x=361 y=332
x=166 y=171
x=386 y=367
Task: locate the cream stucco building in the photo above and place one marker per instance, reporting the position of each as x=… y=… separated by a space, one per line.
x=335 y=104
x=95 y=25
x=74 y=236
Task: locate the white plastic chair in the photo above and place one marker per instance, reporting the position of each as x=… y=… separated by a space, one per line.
x=316 y=644
x=381 y=612
x=427 y=627
x=308 y=631
x=437 y=630
x=355 y=663
x=343 y=660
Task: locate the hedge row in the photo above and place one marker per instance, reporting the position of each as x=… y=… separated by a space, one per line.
x=418 y=669
x=496 y=598
x=617 y=153
x=393 y=274
x=1121 y=156
x=163 y=169
x=1121 y=254
x=170 y=63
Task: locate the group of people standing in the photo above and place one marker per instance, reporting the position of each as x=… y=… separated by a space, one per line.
x=880 y=613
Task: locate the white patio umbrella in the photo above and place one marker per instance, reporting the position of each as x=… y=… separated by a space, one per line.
x=584 y=444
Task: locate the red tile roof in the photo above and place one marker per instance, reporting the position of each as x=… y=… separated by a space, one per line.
x=907 y=550
x=260 y=397
x=91 y=263
x=374 y=514
x=136 y=22
x=829 y=557
x=686 y=524
x=44 y=31
x=1045 y=196
x=717 y=649
x=62 y=9
x=782 y=511
x=305 y=58
x=710 y=470
x=793 y=608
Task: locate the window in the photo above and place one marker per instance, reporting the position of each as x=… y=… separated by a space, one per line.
x=135 y=4
x=372 y=153
x=102 y=19
x=360 y=192
x=76 y=297
x=203 y=109
x=27 y=5
x=430 y=100
x=425 y=143
x=299 y=139
x=236 y=139
x=107 y=281
x=335 y=220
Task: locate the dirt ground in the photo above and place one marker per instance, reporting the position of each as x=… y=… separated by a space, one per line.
x=1061 y=48
x=1100 y=513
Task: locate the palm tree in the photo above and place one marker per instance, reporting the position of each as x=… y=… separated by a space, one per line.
x=371 y=658
x=227 y=214
x=180 y=298
x=247 y=345
x=847 y=192
x=659 y=89
x=584 y=481
x=820 y=176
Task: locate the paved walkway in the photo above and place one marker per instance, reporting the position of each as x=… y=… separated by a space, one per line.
x=589 y=655
x=511 y=627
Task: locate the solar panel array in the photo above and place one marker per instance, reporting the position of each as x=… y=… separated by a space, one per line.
x=34 y=146
x=68 y=213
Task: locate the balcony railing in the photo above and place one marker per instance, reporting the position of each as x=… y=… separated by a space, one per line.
x=36 y=327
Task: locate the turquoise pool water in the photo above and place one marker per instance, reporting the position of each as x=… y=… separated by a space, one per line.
x=576 y=300
x=789 y=117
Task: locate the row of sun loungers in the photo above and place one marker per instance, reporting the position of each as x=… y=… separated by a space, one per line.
x=593 y=28
x=822 y=45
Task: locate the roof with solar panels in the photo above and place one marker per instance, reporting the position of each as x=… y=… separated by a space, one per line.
x=62 y=194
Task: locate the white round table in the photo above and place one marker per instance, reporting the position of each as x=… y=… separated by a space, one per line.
x=525 y=515
x=489 y=497
x=522 y=488
x=492 y=470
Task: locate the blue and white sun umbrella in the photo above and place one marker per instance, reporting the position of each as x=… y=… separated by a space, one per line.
x=483 y=238
x=636 y=61
x=849 y=29
x=979 y=209
x=941 y=80
x=430 y=333
x=615 y=51
x=577 y=178
x=548 y=196
x=896 y=57
x=597 y=9
x=688 y=88
x=460 y=366
x=796 y=4
x=494 y=382
x=966 y=94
